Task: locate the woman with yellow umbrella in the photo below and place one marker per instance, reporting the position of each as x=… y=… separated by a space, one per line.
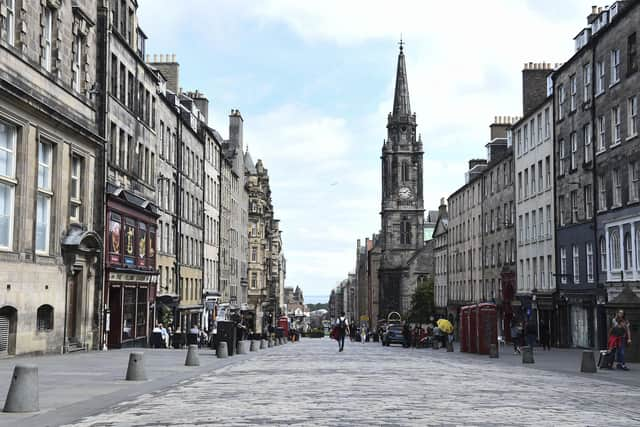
x=447 y=331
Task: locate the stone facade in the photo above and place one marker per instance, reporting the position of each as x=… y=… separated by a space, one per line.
x=48 y=137
x=440 y=258
x=402 y=213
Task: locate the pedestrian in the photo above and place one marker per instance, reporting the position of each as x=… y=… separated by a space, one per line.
x=620 y=337
x=363 y=333
x=342 y=329
x=515 y=337
x=406 y=334
x=545 y=339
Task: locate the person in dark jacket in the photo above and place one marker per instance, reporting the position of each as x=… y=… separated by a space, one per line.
x=545 y=338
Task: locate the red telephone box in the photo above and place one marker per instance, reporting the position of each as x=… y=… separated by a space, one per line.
x=464 y=329
x=486 y=327
x=473 y=329
x=283 y=322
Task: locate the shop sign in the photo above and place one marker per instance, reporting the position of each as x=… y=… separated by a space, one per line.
x=129 y=277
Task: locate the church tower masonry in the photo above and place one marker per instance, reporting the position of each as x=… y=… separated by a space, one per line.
x=402 y=213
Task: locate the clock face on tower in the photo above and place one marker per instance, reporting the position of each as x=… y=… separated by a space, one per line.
x=404 y=193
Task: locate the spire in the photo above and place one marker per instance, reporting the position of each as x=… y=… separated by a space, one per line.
x=401 y=104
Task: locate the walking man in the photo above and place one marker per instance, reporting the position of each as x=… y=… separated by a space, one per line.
x=620 y=334
x=343 y=330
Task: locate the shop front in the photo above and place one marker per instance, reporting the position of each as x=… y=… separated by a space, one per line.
x=131 y=276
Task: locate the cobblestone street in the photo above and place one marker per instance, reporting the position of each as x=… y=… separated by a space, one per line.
x=310 y=383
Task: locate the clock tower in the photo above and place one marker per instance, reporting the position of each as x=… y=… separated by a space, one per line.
x=402 y=213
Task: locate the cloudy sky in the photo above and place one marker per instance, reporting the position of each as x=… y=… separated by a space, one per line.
x=314 y=82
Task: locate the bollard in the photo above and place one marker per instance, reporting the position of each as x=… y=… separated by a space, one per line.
x=263 y=344
x=588 y=364
x=242 y=348
x=222 y=351
x=281 y=341
x=270 y=343
x=527 y=354
x=135 y=370
x=493 y=351
x=449 y=347
x=192 y=356
x=23 y=391
x=254 y=345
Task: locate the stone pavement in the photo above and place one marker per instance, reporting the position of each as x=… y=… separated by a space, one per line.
x=310 y=383
x=80 y=384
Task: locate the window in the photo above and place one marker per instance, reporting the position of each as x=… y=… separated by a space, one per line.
x=628 y=252
x=254 y=254
x=632 y=57
x=540 y=176
x=533 y=179
x=602 y=193
x=617 y=187
x=526 y=227
x=561 y=212
x=634 y=184
x=9 y=25
x=549 y=221
x=519 y=139
x=8 y=137
x=75 y=191
x=616 y=134
x=589 y=251
x=47 y=37
x=603 y=254
x=405 y=171
x=77 y=63
x=586 y=142
x=588 y=201
x=586 y=82
x=574 y=206
x=601 y=134
x=519 y=185
x=526 y=183
x=600 y=77
x=525 y=132
x=576 y=265
x=539 y=128
x=534 y=231
x=547 y=122
x=632 y=116
x=254 y=280
x=561 y=96
x=44 y=317
x=541 y=219
x=574 y=149
x=562 y=156
x=637 y=238
x=563 y=265
x=532 y=133
x=547 y=166
x=574 y=90
x=520 y=229
x=43 y=205
x=122 y=95
x=405 y=233
x=615 y=66
x=614 y=249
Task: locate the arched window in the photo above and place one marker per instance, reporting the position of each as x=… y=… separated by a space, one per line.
x=628 y=252
x=45 y=318
x=614 y=249
x=405 y=171
x=603 y=254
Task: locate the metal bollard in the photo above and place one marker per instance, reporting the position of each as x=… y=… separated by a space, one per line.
x=493 y=351
x=263 y=344
x=192 y=356
x=23 y=393
x=135 y=370
x=242 y=348
x=254 y=345
x=527 y=354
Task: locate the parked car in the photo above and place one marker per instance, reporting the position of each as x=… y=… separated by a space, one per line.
x=393 y=335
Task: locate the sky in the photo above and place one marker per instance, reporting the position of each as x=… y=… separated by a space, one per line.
x=314 y=82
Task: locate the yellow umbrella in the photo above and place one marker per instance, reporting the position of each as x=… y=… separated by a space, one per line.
x=445 y=326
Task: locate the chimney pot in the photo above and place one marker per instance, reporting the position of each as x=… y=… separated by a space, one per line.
x=173 y=57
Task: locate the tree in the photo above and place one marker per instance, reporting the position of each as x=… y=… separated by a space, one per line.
x=422 y=302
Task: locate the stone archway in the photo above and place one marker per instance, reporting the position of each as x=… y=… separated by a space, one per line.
x=8 y=330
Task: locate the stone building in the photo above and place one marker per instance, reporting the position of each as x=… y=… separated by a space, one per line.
x=402 y=207
x=440 y=258
x=127 y=120
x=498 y=238
x=362 y=294
x=532 y=138
x=50 y=177
x=465 y=239
x=234 y=220
x=616 y=150
x=373 y=280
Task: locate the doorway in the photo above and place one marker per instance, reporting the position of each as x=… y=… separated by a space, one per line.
x=8 y=330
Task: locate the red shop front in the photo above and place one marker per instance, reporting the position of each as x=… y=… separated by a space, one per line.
x=131 y=276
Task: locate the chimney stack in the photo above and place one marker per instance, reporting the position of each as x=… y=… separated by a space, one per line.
x=170 y=69
x=534 y=85
x=235 y=130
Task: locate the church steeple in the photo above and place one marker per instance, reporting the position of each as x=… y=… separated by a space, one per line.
x=401 y=105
